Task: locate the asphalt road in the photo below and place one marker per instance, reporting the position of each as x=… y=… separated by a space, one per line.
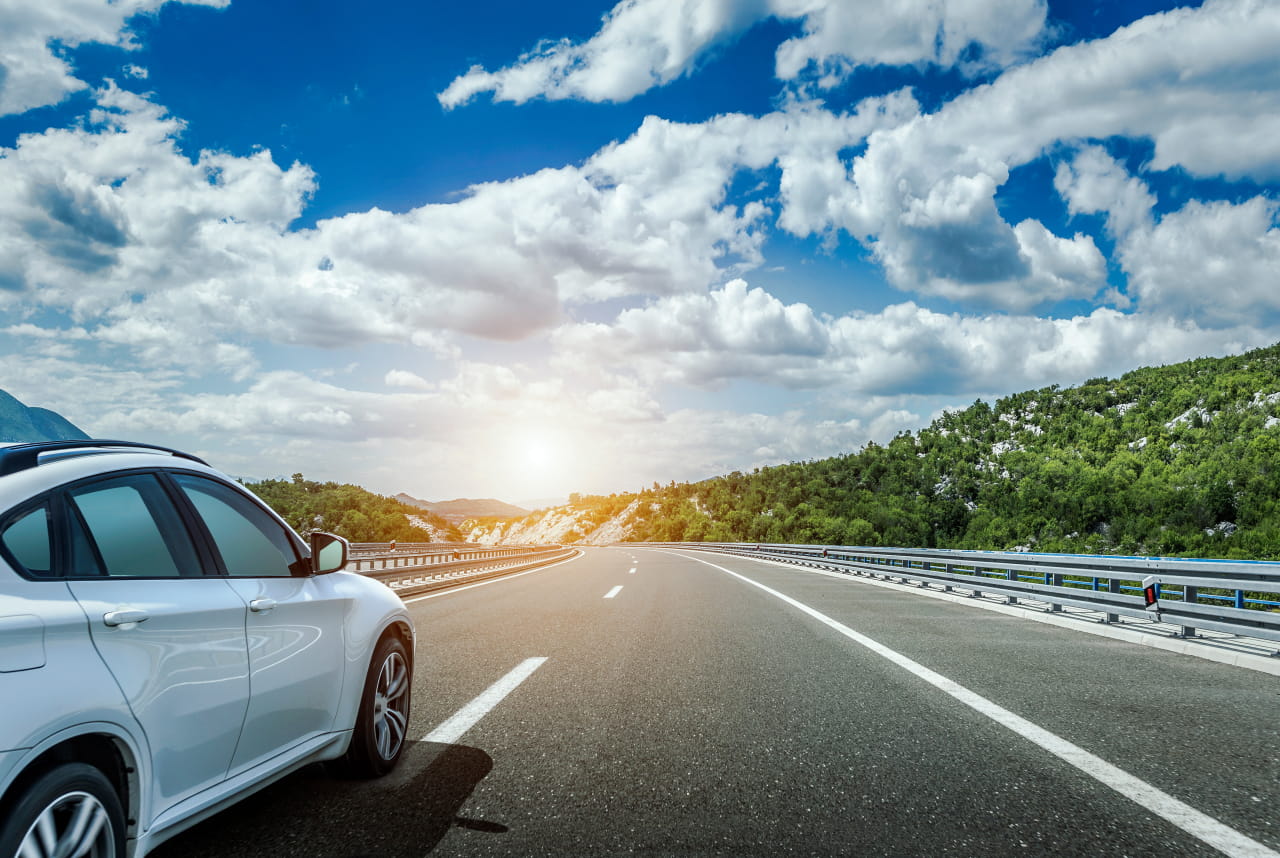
x=692 y=713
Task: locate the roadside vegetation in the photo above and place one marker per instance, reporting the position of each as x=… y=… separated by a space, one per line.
x=349 y=511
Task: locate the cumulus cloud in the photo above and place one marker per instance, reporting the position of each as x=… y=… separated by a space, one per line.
x=1213 y=261
x=743 y=333
x=189 y=261
x=838 y=37
x=33 y=73
x=1095 y=182
x=646 y=43
x=1202 y=84
x=708 y=339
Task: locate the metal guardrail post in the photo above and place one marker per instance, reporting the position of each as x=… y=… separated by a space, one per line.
x=1113 y=586
x=1190 y=595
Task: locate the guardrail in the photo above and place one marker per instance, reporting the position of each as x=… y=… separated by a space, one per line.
x=451 y=565
x=436 y=554
x=374 y=549
x=1237 y=597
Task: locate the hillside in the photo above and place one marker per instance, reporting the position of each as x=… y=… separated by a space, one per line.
x=350 y=511
x=595 y=520
x=461 y=509
x=1174 y=460
x=19 y=422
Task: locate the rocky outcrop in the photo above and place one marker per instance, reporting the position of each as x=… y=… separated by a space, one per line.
x=562 y=525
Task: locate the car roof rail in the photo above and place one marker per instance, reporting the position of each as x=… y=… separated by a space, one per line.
x=21 y=457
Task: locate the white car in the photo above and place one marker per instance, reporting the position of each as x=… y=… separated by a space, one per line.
x=168 y=645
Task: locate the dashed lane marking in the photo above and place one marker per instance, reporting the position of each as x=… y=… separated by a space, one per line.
x=615 y=591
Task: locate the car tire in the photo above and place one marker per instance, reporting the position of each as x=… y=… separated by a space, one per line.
x=382 y=723
x=70 y=810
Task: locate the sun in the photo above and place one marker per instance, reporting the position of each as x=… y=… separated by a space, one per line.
x=536 y=453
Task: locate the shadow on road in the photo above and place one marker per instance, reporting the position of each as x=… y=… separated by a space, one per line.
x=316 y=815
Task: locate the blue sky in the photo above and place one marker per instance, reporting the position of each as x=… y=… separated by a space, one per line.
x=522 y=250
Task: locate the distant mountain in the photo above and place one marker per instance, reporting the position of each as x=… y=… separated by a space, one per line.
x=462 y=509
x=19 y=422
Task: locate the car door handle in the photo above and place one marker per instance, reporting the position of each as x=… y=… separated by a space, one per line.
x=260 y=605
x=124 y=615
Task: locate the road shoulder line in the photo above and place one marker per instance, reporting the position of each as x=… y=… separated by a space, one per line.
x=1199 y=825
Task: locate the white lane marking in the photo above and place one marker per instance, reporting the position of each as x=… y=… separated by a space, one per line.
x=1199 y=825
x=631 y=571
x=615 y=591
x=453 y=590
x=466 y=717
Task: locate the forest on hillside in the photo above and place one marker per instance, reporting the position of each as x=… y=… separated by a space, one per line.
x=349 y=511
x=1181 y=460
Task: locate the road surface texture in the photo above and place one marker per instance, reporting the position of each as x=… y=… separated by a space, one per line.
x=677 y=709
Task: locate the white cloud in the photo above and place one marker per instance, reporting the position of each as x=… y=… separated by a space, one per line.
x=404 y=378
x=1095 y=182
x=742 y=333
x=181 y=259
x=646 y=43
x=81 y=389
x=705 y=340
x=1216 y=262
x=641 y=43
x=33 y=73
x=840 y=36
x=1212 y=261
x=1201 y=83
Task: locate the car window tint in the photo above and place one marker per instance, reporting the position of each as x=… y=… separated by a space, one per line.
x=135 y=528
x=28 y=539
x=251 y=542
x=84 y=559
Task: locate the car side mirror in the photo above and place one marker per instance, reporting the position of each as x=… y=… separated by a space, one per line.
x=328 y=553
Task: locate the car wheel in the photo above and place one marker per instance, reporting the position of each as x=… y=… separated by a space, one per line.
x=383 y=719
x=71 y=811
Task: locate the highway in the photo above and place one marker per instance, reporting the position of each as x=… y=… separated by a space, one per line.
x=647 y=702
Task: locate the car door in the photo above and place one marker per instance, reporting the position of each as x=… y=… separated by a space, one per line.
x=173 y=637
x=294 y=626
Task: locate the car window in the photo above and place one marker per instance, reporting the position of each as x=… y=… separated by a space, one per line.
x=84 y=558
x=251 y=542
x=28 y=540
x=135 y=528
